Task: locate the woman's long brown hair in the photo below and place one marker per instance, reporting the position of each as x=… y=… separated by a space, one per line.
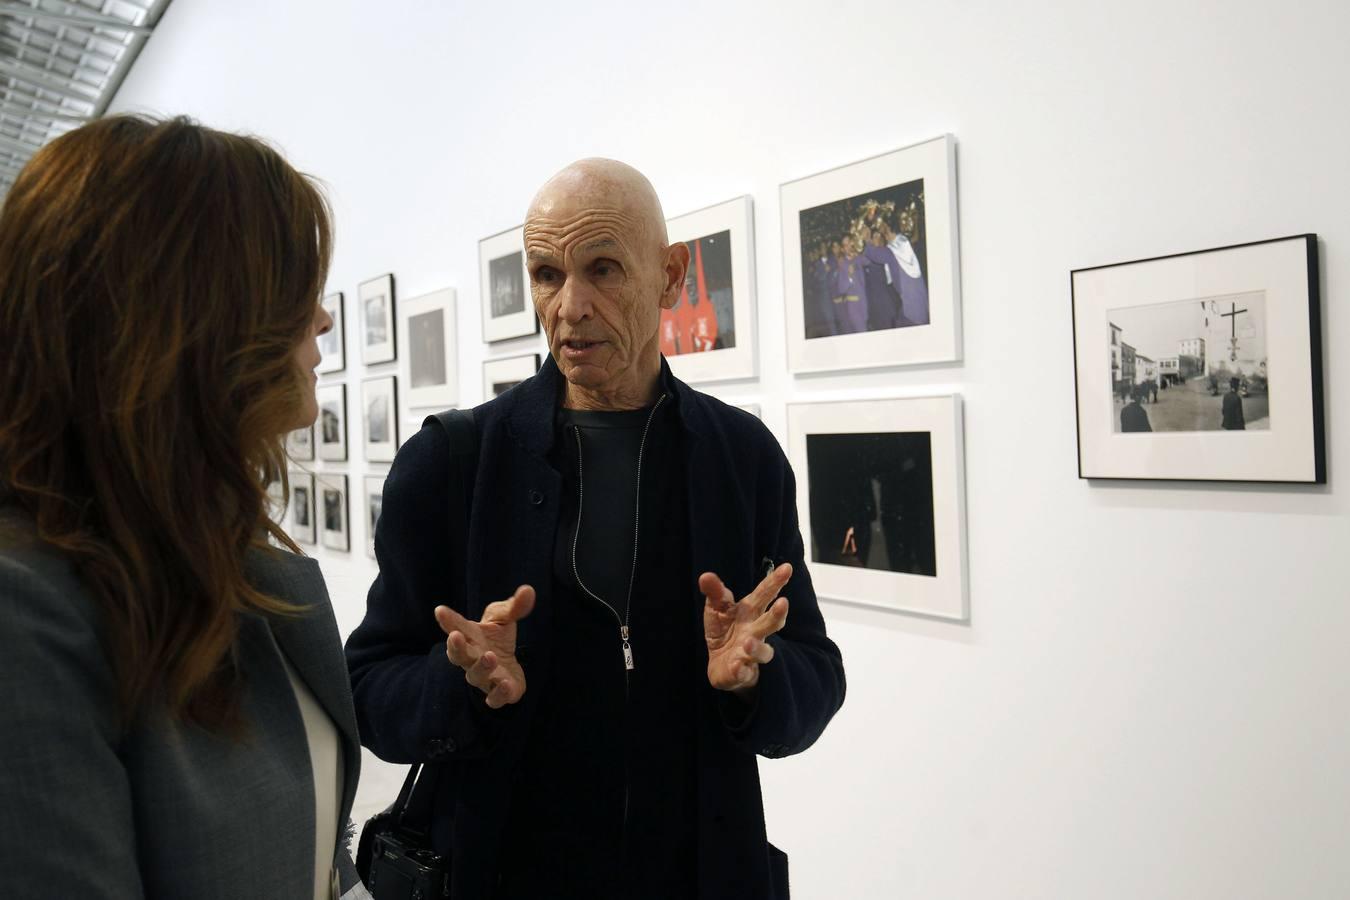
x=156 y=279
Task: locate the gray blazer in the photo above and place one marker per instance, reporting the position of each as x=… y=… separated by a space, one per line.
x=162 y=810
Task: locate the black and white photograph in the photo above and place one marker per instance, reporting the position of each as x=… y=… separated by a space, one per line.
x=376 y=299
x=374 y=491
x=333 y=343
x=871 y=262
x=379 y=415
x=507 y=309
x=708 y=335
x=500 y=375
x=881 y=495
x=332 y=422
x=1202 y=366
x=300 y=444
x=332 y=504
x=428 y=333
x=302 y=507
x=872 y=500
x=1191 y=365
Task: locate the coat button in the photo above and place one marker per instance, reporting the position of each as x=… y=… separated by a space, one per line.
x=536 y=498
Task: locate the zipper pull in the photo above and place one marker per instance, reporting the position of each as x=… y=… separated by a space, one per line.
x=627 y=648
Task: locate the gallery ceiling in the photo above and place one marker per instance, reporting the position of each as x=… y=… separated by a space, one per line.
x=61 y=62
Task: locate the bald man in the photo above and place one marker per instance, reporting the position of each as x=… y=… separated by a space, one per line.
x=635 y=622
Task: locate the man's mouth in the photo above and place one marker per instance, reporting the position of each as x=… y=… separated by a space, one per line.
x=579 y=346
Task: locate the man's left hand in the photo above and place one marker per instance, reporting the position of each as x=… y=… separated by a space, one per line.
x=737 y=633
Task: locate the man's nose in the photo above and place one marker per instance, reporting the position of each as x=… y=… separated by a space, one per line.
x=574 y=302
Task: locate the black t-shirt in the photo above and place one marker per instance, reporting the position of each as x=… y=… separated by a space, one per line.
x=605 y=805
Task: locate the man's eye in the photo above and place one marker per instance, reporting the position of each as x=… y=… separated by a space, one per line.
x=544 y=275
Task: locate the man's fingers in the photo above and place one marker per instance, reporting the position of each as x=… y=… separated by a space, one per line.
x=717 y=594
x=449 y=620
x=460 y=651
x=770 y=587
x=772 y=621
x=512 y=609
x=480 y=673
x=503 y=692
x=759 y=651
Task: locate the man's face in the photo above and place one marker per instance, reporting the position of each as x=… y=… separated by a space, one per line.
x=598 y=283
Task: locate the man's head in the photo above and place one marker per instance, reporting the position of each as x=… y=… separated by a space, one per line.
x=1235 y=383
x=601 y=270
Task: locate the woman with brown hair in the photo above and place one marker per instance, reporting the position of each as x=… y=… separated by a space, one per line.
x=177 y=720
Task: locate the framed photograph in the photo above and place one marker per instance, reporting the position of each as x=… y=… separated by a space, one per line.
x=379 y=418
x=709 y=335
x=333 y=345
x=508 y=311
x=1202 y=366
x=300 y=444
x=428 y=331
x=332 y=424
x=751 y=408
x=871 y=269
x=500 y=375
x=374 y=491
x=881 y=497
x=378 y=343
x=333 y=509
x=302 y=507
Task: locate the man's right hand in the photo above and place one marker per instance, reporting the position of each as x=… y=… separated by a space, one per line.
x=486 y=650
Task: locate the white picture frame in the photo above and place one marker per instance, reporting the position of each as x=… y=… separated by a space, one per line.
x=1151 y=309
x=508 y=371
x=913 y=559
x=302 y=507
x=379 y=418
x=331 y=426
x=379 y=332
x=374 y=500
x=824 y=335
x=722 y=267
x=428 y=334
x=333 y=345
x=504 y=287
x=335 y=529
x=300 y=444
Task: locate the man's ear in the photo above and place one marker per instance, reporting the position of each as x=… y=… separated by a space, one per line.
x=677 y=265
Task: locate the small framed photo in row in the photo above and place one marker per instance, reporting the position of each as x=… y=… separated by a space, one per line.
x=300 y=444
x=507 y=309
x=333 y=344
x=881 y=495
x=379 y=409
x=1202 y=366
x=332 y=424
x=302 y=507
x=709 y=335
x=378 y=342
x=500 y=375
x=333 y=508
x=871 y=268
x=427 y=324
x=374 y=491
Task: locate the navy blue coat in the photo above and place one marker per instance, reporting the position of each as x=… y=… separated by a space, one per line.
x=414 y=706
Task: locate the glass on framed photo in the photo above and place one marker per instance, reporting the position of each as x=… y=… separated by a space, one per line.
x=871 y=267
x=302 y=528
x=709 y=334
x=379 y=408
x=500 y=375
x=374 y=492
x=506 y=306
x=300 y=444
x=332 y=423
x=1205 y=365
x=428 y=327
x=881 y=498
x=376 y=299
x=333 y=343
x=332 y=503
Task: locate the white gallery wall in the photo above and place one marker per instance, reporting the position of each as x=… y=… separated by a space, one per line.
x=1151 y=698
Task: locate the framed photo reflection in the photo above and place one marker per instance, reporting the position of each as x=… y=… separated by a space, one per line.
x=881 y=498
x=871 y=268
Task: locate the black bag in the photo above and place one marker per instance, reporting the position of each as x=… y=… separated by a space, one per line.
x=394 y=856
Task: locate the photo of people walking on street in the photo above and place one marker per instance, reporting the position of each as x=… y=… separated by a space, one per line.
x=864 y=262
x=1190 y=365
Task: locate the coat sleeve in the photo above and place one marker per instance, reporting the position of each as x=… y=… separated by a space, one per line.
x=67 y=827
x=412 y=704
x=800 y=690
